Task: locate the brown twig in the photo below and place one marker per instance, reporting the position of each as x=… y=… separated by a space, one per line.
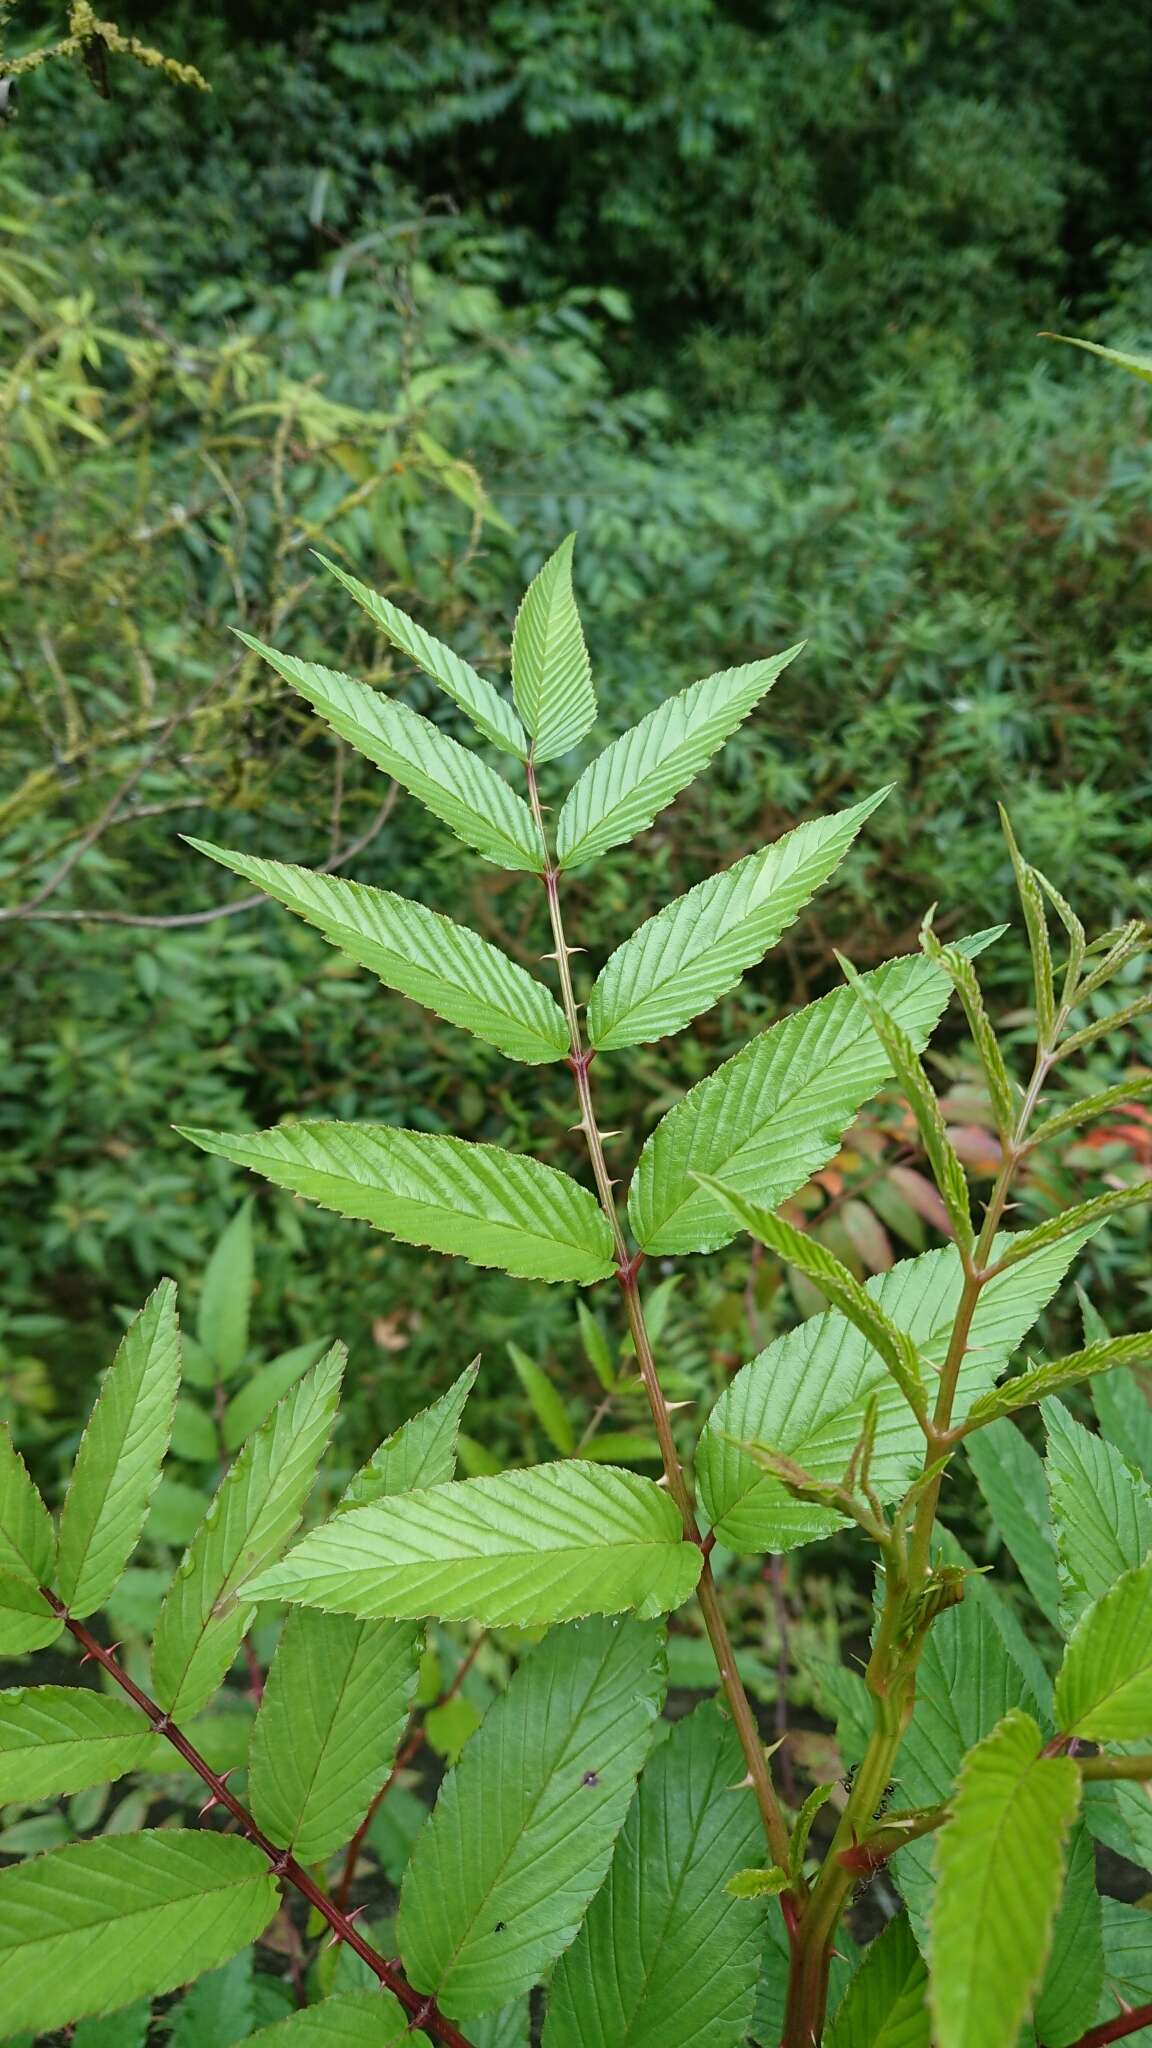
x=424 y=2012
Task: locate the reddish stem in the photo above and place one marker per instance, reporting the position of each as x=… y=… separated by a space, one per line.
x=1118 y=2029
x=423 y=2011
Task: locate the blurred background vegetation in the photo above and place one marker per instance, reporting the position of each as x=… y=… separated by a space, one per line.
x=746 y=291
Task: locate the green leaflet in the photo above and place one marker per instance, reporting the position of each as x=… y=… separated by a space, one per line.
x=1104 y=1686
x=523 y=1829
x=1043 y=1380
x=519 y=1550
x=551 y=673
x=127 y=2028
x=27 y=1538
x=1000 y=1867
x=511 y=2027
x=694 y=950
x=334 y=1707
x=1070 y=1992
x=256 y=1399
x=490 y=713
x=56 y=1739
x=1101 y=1511
x=770 y=1116
x=1125 y=1415
x=92 y=1926
x=26 y=1620
x=225 y=1298
x=120 y=1455
x=348 y=2019
x=1137 y=366
x=455 y=785
x=219 y=2011
x=443 y=965
x=1127 y=1963
x=547 y=1405
x=806 y=1394
x=1010 y=1475
x=621 y=791
x=1098 y=1210
x=886 y=2004
x=837 y=1285
x=422 y=1452
x=666 y=1953
x=207 y=1610
x=478 y=1202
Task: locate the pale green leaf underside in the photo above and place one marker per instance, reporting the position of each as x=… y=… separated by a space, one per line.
x=1000 y=1870
x=694 y=950
x=477 y=1202
x=1104 y=1686
x=886 y=2004
x=1101 y=1511
x=206 y=1613
x=769 y=1117
x=523 y=1829
x=56 y=1739
x=348 y=2019
x=449 y=969
x=490 y=713
x=335 y=1704
x=422 y=1452
x=621 y=791
x=120 y=1455
x=454 y=784
x=666 y=1953
x=525 y=1548
x=806 y=1394
x=92 y=1926
x=551 y=673
x=27 y=1538
x=26 y=1620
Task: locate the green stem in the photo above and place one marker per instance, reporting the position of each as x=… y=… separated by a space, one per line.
x=627 y=1263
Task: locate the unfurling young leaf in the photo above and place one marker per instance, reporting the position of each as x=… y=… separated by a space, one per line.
x=523 y=1829
x=667 y=1953
x=1104 y=1686
x=1000 y=1868
x=225 y=1298
x=92 y=1926
x=1036 y=923
x=1043 y=1380
x=909 y=1071
x=492 y=1207
x=120 y=1455
x=455 y=785
x=551 y=673
x=490 y=713
x=520 y=1550
x=444 y=966
x=1083 y=1217
x=57 y=1739
x=965 y=981
x=207 y=1610
x=621 y=791
x=694 y=950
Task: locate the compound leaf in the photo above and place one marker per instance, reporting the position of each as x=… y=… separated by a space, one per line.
x=621 y=791
x=455 y=785
x=333 y=1710
x=523 y=1829
x=89 y=1927
x=806 y=1395
x=551 y=673
x=490 y=713
x=694 y=950
x=667 y=1953
x=56 y=1739
x=518 y=1550
x=771 y=1116
x=449 y=969
x=492 y=1207
x=120 y=1456
x=1104 y=1686
x=1000 y=1868
x=207 y=1610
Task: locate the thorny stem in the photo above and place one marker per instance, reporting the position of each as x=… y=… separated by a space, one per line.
x=627 y=1264
x=1120 y=2028
x=424 y=2012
